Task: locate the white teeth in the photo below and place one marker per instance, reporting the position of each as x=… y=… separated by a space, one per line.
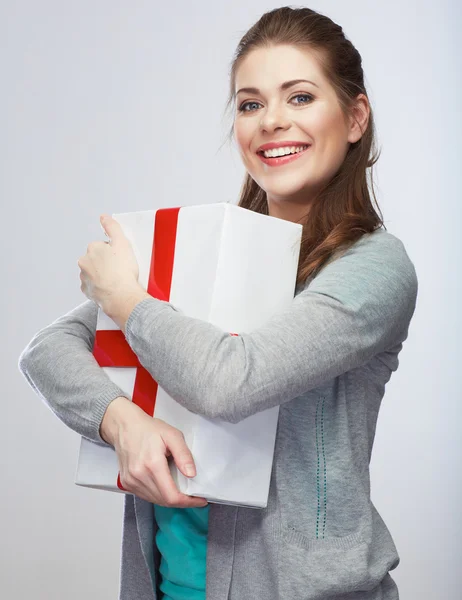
x=283 y=151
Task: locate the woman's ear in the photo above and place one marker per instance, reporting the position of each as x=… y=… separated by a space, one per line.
x=359 y=118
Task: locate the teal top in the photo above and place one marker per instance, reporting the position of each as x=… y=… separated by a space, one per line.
x=182 y=542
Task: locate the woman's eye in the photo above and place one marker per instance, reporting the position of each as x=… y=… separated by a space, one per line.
x=242 y=107
x=302 y=96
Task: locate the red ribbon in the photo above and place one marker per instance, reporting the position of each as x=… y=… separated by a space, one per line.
x=111 y=349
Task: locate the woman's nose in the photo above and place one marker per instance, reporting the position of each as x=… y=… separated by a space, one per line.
x=274 y=119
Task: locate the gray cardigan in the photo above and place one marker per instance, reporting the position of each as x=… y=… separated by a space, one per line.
x=325 y=361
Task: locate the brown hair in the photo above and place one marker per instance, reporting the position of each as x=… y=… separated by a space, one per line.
x=343 y=211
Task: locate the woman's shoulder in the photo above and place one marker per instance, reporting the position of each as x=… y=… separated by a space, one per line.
x=379 y=256
x=391 y=254
x=386 y=248
x=381 y=238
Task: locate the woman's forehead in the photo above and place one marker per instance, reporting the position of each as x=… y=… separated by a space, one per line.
x=274 y=65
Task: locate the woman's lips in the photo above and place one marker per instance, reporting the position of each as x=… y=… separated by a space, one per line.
x=281 y=160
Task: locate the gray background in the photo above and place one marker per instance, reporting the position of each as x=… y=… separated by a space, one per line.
x=114 y=106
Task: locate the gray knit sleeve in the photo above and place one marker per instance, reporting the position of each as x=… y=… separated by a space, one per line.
x=59 y=366
x=358 y=306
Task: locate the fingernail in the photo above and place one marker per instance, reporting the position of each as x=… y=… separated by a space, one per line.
x=190 y=470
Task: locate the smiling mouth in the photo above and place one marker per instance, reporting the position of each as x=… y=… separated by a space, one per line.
x=281 y=160
x=304 y=147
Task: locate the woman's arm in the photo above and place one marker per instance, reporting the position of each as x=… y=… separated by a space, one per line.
x=59 y=365
x=357 y=307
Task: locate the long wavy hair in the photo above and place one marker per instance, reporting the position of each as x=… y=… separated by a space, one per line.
x=342 y=212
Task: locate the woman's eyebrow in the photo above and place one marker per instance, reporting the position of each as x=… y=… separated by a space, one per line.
x=282 y=87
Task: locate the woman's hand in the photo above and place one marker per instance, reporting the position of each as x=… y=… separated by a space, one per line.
x=109 y=268
x=142 y=445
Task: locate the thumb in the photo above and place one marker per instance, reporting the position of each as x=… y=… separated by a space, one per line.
x=111 y=227
x=181 y=454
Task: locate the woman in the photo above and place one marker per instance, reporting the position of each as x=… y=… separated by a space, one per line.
x=298 y=85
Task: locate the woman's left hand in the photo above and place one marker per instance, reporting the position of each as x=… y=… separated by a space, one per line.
x=108 y=268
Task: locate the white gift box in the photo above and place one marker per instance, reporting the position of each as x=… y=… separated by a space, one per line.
x=228 y=266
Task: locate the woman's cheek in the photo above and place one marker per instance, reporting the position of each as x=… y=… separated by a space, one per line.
x=240 y=142
x=245 y=153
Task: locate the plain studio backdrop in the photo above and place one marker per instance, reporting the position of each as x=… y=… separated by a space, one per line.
x=115 y=106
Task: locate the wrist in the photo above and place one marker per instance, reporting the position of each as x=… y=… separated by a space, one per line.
x=119 y=304
x=116 y=415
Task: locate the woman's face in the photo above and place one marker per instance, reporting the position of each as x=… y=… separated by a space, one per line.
x=302 y=114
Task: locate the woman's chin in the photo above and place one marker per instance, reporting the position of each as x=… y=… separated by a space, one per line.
x=286 y=193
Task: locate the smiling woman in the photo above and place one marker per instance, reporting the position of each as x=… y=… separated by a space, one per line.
x=304 y=130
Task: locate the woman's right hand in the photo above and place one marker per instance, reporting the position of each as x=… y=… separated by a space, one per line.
x=142 y=444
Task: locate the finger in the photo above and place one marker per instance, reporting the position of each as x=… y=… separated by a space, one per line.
x=175 y=443
x=138 y=488
x=192 y=502
x=111 y=227
x=104 y=231
x=148 y=490
x=141 y=482
x=138 y=480
x=167 y=488
x=152 y=494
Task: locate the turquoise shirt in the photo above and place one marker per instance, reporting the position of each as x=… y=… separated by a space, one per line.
x=182 y=542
